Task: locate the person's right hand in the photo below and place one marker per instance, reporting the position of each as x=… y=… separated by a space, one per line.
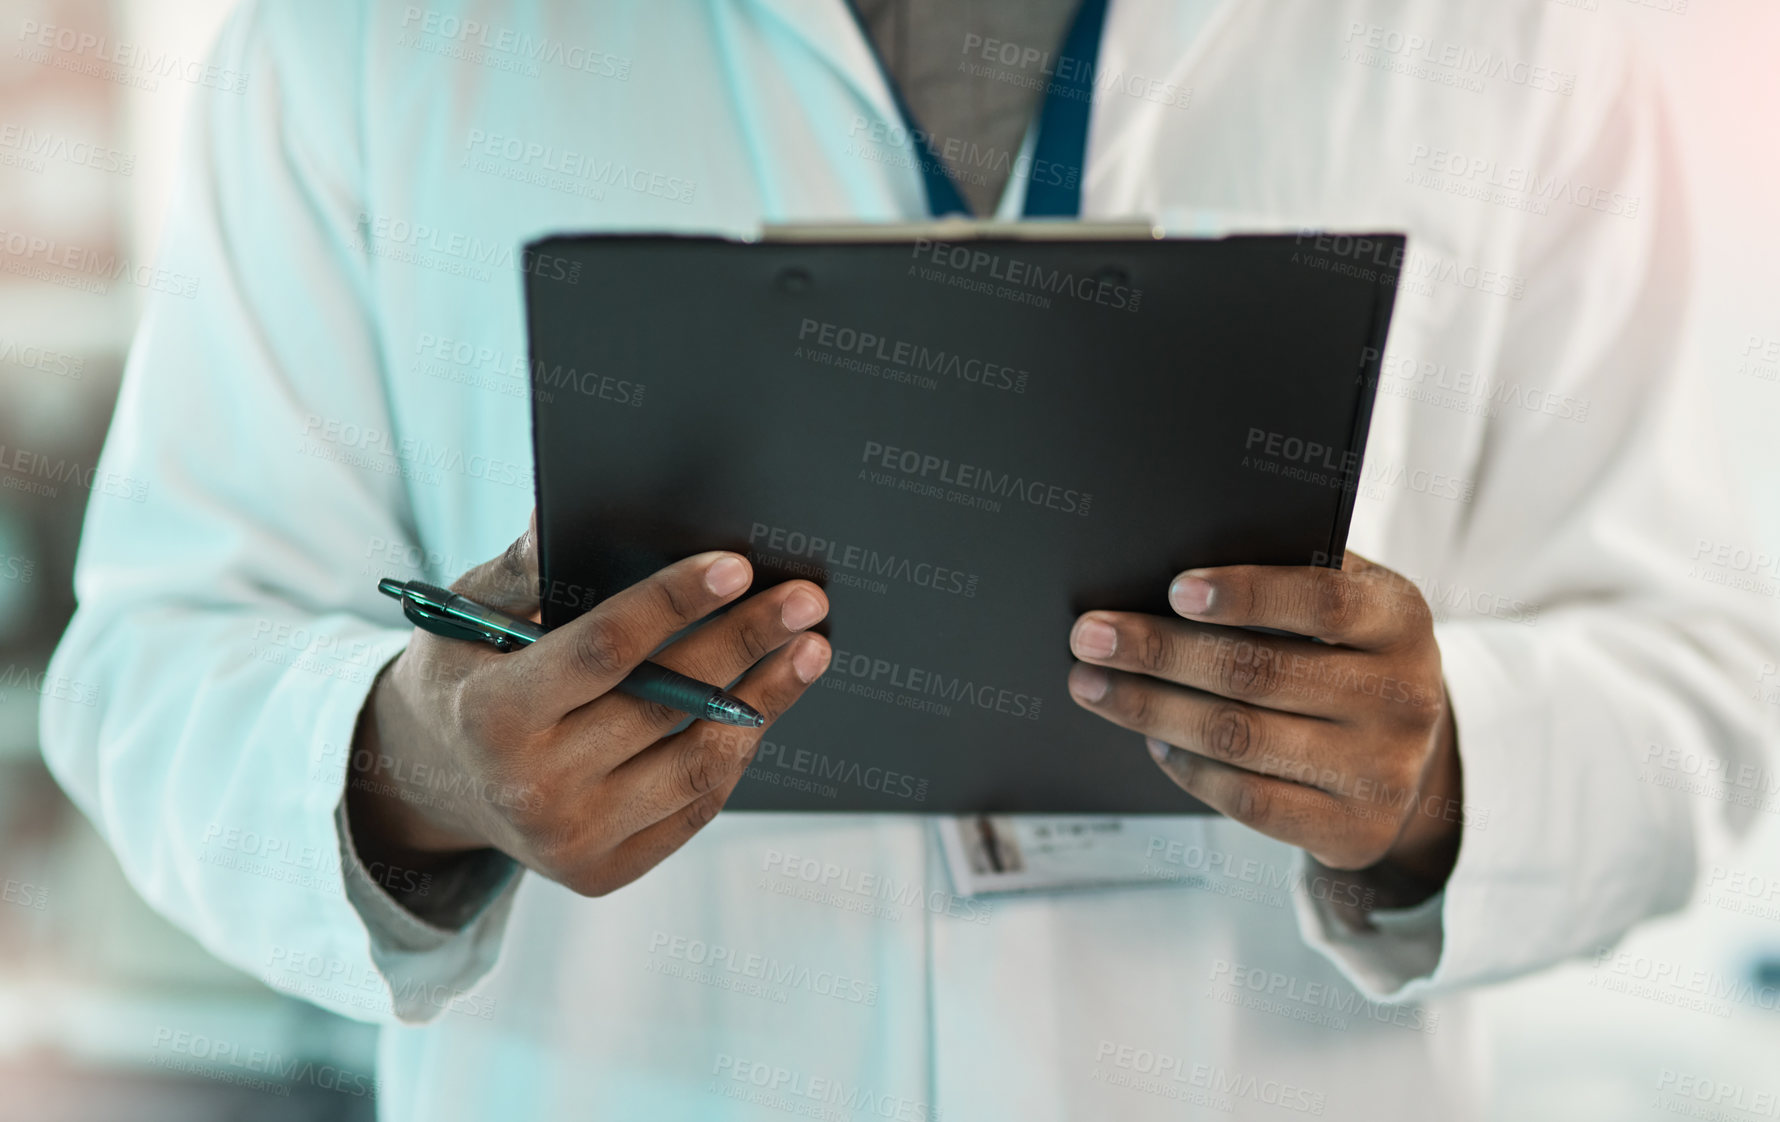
x=462 y=748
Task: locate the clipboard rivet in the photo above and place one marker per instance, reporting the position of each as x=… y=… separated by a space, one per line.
x=794 y=281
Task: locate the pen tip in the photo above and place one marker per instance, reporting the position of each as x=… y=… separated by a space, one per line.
x=735 y=711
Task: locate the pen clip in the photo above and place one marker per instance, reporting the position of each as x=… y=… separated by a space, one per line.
x=428 y=620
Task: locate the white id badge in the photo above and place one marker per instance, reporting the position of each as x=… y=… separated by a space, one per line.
x=1043 y=853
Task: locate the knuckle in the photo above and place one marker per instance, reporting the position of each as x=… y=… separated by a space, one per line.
x=751 y=644
x=1230 y=732
x=1349 y=855
x=1418 y=706
x=1247 y=670
x=553 y=841
x=676 y=603
x=699 y=771
x=592 y=883
x=654 y=715
x=1134 y=702
x=731 y=743
x=601 y=652
x=1254 y=804
x=1247 y=593
x=517 y=568
x=477 y=716
x=1338 y=602
x=1414 y=609
x=1372 y=845
x=1153 y=651
x=1403 y=777
x=699 y=815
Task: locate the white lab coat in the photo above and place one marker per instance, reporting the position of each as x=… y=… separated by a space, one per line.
x=343 y=398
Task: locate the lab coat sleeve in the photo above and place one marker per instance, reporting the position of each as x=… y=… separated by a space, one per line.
x=229 y=629
x=1601 y=659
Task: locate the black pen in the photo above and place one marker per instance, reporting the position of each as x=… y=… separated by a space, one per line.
x=445 y=613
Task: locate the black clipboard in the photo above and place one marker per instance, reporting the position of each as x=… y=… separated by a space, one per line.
x=968 y=434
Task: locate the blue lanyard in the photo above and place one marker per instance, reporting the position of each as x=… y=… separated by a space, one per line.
x=1054 y=177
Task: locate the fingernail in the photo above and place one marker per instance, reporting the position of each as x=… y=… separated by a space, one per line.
x=1094 y=639
x=800 y=610
x=809 y=661
x=1158 y=750
x=1088 y=682
x=726 y=576
x=1190 y=596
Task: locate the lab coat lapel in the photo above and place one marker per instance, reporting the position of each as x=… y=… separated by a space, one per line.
x=829 y=29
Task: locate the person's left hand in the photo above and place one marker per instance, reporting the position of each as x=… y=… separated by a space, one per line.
x=1346 y=750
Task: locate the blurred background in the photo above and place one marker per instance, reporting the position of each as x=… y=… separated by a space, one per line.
x=92 y=983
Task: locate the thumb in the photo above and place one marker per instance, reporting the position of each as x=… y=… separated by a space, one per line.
x=509 y=583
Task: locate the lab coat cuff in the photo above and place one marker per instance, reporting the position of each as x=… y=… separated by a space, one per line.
x=1388 y=961
x=430 y=965
x=1477 y=928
